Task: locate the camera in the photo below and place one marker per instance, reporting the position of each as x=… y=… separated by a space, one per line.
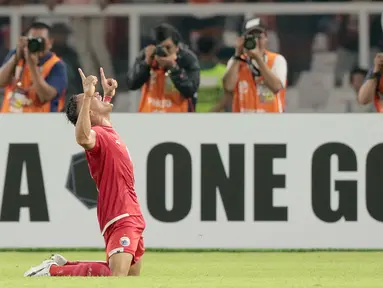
x=161 y=51
x=36 y=44
x=250 y=42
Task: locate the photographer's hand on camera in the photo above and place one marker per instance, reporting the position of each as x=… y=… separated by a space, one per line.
x=169 y=68
x=271 y=80
x=8 y=68
x=255 y=54
x=149 y=54
x=231 y=76
x=140 y=72
x=32 y=75
x=21 y=44
x=32 y=59
x=167 y=62
x=368 y=90
x=239 y=47
x=44 y=91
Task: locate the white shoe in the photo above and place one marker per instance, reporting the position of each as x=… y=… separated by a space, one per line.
x=41 y=270
x=58 y=259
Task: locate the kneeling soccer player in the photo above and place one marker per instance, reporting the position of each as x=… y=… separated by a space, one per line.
x=119 y=214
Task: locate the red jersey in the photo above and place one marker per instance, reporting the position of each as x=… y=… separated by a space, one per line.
x=112 y=169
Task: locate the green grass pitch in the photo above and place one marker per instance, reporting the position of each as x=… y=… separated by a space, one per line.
x=213 y=269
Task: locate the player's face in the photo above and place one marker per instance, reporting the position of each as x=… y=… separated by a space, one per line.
x=98 y=108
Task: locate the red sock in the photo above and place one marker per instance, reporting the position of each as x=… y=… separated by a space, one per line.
x=81 y=269
x=84 y=261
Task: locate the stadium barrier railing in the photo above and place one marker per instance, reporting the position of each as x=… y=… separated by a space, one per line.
x=135 y=11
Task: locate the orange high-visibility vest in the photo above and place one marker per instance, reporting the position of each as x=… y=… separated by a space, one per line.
x=160 y=95
x=35 y=105
x=252 y=95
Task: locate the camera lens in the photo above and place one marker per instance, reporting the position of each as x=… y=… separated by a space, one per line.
x=36 y=45
x=160 y=51
x=250 y=43
x=33 y=45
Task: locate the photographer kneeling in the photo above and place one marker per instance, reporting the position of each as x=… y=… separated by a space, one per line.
x=168 y=74
x=255 y=77
x=35 y=79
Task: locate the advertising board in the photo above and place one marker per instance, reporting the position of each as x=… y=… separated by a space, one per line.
x=203 y=181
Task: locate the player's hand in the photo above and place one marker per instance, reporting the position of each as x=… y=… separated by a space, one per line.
x=88 y=84
x=378 y=63
x=149 y=53
x=21 y=44
x=239 y=46
x=32 y=59
x=167 y=62
x=108 y=84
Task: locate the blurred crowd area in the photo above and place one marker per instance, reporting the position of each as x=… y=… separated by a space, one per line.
x=321 y=50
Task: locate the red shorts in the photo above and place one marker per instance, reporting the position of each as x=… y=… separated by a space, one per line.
x=125 y=236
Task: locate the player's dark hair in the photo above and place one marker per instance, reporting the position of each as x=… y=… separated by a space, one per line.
x=358 y=70
x=39 y=25
x=165 y=31
x=206 y=44
x=71 y=109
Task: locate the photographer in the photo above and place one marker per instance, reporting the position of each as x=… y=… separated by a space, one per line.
x=34 y=78
x=255 y=77
x=168 y=74
x=372 y=88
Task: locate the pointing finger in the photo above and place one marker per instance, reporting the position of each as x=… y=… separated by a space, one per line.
x=103 y=78
x=82 y=75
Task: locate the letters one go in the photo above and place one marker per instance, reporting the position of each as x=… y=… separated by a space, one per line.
x=231 y=183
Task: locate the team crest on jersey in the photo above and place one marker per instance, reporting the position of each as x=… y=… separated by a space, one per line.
x=125 y=241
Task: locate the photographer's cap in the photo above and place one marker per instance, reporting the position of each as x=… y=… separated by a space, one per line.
x=254 y=24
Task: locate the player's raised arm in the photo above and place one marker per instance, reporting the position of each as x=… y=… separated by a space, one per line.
x=109 y=85
x=85 y=136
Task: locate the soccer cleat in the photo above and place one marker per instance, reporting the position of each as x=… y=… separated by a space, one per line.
x=41 y=270
x=58 y=259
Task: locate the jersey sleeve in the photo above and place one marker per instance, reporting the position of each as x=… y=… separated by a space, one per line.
x=280 y=69
x=100 y=140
